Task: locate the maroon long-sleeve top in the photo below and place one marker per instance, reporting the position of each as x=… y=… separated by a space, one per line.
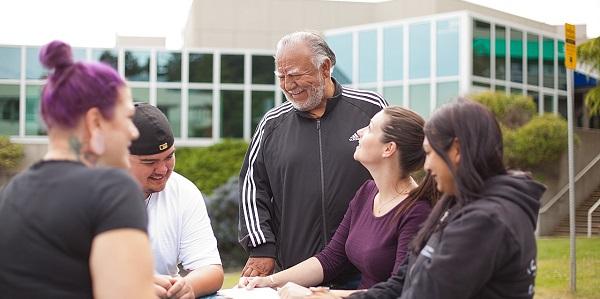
x=376 y=246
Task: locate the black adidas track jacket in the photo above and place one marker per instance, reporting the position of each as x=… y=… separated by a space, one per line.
x=299 y=175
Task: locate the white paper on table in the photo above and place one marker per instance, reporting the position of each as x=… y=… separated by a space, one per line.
x=243 y=293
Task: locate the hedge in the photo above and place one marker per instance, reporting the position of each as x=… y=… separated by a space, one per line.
x=543 y=139
x=529 y=139
x=10 y=154
x=210 y=167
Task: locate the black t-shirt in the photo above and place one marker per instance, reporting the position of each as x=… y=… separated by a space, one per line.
x=49 y=215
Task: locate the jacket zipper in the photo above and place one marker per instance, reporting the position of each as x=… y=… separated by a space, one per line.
x=325 y=237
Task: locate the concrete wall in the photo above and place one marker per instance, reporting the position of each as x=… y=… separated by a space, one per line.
x=587 y=149
x=260 y=24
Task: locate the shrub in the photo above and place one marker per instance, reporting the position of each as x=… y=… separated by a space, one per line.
x=210 y=167
x=512 y=111
x=222 y=208
x=10 y=154
x=529 y=140
x=542 y=139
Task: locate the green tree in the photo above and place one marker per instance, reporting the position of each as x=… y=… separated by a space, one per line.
x=589 y=54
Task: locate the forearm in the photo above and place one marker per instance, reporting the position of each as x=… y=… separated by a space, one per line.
x=307 y=273
x=206 y=280
x=121 y=264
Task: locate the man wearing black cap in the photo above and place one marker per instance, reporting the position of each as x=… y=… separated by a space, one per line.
x=179 y=226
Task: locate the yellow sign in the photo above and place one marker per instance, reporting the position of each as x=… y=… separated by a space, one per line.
x=570 y=47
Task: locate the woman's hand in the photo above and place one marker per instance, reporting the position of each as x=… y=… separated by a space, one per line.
x=256 y=282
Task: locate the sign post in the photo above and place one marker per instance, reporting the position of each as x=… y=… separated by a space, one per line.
x=570 y=64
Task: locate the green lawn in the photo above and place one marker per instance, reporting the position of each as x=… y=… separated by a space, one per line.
x=553 y=268
x=553 y=274
x=231 y=279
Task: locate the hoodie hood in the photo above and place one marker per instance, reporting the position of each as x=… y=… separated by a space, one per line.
x=519 y=188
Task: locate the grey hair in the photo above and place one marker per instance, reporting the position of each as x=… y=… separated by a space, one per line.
x=314 y=41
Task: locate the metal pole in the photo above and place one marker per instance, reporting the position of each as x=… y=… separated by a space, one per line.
x=571 y=179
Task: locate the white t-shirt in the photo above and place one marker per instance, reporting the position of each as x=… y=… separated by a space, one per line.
x=179 y=228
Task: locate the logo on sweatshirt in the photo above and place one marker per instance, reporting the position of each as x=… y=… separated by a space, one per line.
x=354 y=137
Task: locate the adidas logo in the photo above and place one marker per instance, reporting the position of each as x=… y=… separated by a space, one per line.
x=354 y=137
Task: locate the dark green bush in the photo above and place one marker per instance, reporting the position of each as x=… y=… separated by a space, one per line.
x=512 y=111
x=529 y=140
x=10 y=154
x=210 y=167
x=222 y=208
x=543 y=139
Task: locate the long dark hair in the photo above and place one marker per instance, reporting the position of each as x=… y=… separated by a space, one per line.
x=480 y=144
x=405 y=128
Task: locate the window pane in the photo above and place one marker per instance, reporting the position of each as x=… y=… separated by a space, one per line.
x=500 y=53
x=516 y=55
x=9 y=109
x=536 y=99
x=232 y=113
x=516 y=91
x=392 y=53
x=33 y=120
x=562 y=106
x=367 y=59
x=108 y=56
x=394 y=95
x=10 y=63
x=562 y=71
x=533 y=54
x=137 y=65
x=201 y=68
x=419 y=99
x=500 y=88
x=168 y=67
x=481 y=49
x=200 y=120
x=140 y=94
x=78 y=54
x=342 y=47
x=446 y=92
x=232 y=68
x=262 y=101
x=419 y=47
x=168 y=100
x=548 y=62
x=479 y=87
x=262 y=69
x=34 y=69
x=447 y=48
x=548 y=103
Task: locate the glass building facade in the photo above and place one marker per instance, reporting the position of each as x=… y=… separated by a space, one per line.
x=422 y=63
x=207 y=94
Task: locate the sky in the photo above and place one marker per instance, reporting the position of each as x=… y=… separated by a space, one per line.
x=96 y=23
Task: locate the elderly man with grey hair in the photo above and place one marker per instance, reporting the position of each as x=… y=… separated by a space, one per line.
x=299 y=173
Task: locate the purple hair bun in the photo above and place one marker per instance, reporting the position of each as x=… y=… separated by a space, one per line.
x=56 y=55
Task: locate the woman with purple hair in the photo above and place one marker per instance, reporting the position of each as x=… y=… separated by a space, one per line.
x=74 y=224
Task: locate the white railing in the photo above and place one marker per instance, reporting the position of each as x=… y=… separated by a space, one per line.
x=564 y=189
x=590 y=211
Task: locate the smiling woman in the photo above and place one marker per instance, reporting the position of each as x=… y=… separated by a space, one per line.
x=71 y=208
x=484 y=223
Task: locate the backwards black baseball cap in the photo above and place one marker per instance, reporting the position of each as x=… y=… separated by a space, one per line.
x=156 y=135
